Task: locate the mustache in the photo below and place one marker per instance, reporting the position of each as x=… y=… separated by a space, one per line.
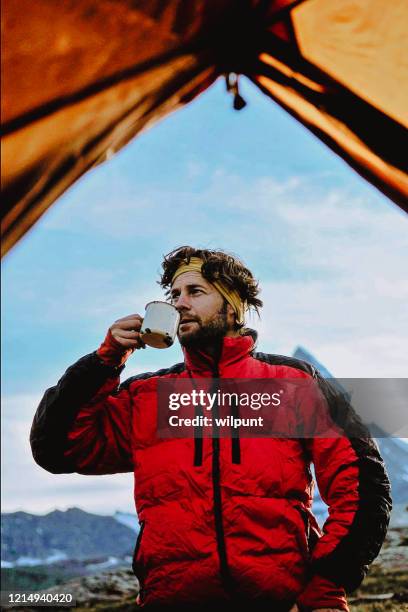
x=190 y=319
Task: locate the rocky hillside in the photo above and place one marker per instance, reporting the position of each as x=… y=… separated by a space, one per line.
x=28 y=539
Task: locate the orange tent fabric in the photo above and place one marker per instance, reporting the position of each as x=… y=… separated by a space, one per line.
x=81 y=78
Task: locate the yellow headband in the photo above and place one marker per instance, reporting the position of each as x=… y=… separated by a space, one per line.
x=231 y=295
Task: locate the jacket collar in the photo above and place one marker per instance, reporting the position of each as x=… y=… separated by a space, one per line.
x=231 y=350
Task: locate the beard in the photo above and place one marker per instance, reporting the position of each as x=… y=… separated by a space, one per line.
x=206 y=333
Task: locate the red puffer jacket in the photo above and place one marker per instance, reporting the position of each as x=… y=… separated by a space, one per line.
x=222 y=518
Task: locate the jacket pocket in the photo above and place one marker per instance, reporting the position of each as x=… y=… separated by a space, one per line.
x=305 y=545
x=136 y=566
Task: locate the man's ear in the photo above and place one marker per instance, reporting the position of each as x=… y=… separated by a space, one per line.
x=231 y=314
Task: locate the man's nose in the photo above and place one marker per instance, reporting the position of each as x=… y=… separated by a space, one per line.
x=182 y=303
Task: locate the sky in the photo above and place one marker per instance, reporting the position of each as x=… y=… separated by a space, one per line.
x=328 y=249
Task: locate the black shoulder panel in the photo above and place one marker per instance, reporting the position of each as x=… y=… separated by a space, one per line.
x=59 y=407
x=175 y=369
x=286 y=361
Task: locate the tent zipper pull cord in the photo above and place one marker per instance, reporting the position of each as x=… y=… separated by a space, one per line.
x=232 y=84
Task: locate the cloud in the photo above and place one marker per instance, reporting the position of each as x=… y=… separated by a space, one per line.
x=307 y=222
x=338 y=250
x=342 y=326
x=26 y=486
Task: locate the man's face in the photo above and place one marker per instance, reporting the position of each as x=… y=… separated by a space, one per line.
x=204 y=314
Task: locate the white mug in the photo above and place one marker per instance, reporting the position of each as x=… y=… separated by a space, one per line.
x=160 y=324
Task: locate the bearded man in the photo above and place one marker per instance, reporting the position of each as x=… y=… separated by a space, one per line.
x=223 y=520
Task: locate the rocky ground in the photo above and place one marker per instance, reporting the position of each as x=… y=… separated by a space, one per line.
x=386 y=586
x=384 y=590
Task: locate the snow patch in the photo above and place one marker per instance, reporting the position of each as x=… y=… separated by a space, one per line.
x=130 y=520
x=110 y=562
x=27 y=561
x=57 y=555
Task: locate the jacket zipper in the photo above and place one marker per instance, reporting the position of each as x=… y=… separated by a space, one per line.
x=198 y=440
x=226 y=577
x=198 y=436
x=235 y=441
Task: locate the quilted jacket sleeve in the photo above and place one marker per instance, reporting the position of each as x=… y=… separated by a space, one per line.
x=353 y=482
x=83 y=423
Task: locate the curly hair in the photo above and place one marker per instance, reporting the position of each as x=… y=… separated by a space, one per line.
x=217 y=265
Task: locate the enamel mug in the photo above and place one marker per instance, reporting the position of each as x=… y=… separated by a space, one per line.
x=160 y=324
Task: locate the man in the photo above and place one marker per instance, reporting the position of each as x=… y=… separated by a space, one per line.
x=223 y=520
